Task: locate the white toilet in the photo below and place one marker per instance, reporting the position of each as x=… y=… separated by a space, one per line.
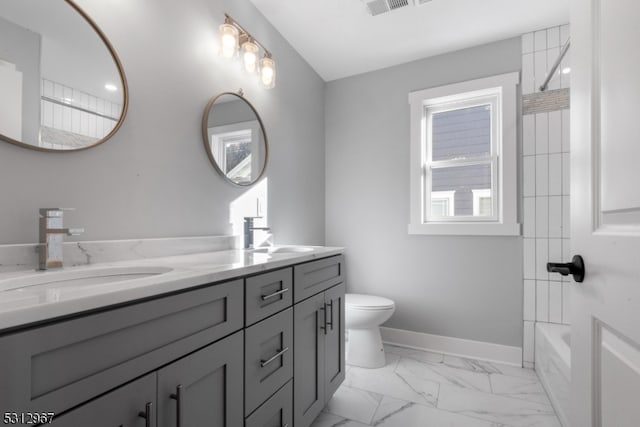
x=363 y=316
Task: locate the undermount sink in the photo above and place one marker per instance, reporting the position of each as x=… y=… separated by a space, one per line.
x=283 y=250
x=79 y=278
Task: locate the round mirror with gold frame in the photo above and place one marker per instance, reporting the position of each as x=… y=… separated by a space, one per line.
x=63 y=86
x=234 y=138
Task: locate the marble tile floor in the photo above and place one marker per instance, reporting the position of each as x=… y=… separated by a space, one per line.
x=424 y=389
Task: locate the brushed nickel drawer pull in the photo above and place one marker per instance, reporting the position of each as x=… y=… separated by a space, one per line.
x=275 y=294
x=264 y=363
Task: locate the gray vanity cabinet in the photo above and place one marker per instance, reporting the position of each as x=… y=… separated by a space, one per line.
x=265 y=350
x=319 y=352
x=123 y=407
x=204 y=388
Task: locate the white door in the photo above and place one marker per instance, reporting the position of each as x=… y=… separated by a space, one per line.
x=605 y=207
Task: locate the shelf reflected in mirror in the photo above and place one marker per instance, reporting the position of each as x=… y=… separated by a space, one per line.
x=63 y=85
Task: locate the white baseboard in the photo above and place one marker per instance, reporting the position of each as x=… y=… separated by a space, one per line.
x=453 y=346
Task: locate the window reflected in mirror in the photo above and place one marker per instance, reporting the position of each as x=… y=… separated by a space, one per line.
x=234 y=138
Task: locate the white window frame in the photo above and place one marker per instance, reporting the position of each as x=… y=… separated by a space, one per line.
x=220 y=135
x=502 y=89
x=435 y=107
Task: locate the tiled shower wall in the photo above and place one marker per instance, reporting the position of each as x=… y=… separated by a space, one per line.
x=546 y=191
x=76 y=112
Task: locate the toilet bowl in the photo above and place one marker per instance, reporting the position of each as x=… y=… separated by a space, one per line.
x=363 y=316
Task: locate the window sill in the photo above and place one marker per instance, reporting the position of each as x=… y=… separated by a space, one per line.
x=465 y=229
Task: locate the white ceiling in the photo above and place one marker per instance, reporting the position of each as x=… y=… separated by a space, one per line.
x=339 y=38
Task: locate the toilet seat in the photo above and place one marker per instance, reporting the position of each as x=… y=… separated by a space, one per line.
x=368 y=302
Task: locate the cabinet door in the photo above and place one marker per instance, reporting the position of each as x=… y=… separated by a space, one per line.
x=334 y=349
x=123 y=407
x=204 y=388
x=308 y=372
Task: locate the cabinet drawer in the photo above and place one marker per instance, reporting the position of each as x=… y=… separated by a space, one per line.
x=268 y=358
x=277 y=411
x=267 y=294
x=316 y=276
x=55 y=367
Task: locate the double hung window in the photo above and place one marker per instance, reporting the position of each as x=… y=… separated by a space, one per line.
x=463 y=158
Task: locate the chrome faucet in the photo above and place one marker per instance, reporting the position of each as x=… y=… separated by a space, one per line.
x=249 y=229
x=51 y=237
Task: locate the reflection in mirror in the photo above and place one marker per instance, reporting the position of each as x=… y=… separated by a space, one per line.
x=62 y=84
x=234 y=138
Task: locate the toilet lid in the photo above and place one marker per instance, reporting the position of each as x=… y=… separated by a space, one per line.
x=368 y=302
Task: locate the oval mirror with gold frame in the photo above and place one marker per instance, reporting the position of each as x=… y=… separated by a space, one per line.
x=234 y=138
x=63 y=85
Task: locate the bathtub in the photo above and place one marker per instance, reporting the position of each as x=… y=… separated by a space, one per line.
x=553 y=365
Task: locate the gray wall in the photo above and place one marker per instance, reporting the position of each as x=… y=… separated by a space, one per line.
x=22 y=48
x=225 y=113
x=465 y=287
x=153 y=178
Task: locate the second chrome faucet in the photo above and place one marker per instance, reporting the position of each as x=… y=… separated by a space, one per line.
x=249 y=228
x=51 y=237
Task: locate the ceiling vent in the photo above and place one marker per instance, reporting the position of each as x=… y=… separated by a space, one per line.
x=377 y=7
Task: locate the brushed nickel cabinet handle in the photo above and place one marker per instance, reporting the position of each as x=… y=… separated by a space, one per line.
x=264 y=363
x=275 y=294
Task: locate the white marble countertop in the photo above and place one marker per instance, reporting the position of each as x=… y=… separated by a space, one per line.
x=22 y=304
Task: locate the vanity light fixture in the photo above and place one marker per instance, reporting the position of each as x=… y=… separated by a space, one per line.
x=232 y=36
x=268 y=72
x=111 y=87
x=250 y=56
x=228 y=39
